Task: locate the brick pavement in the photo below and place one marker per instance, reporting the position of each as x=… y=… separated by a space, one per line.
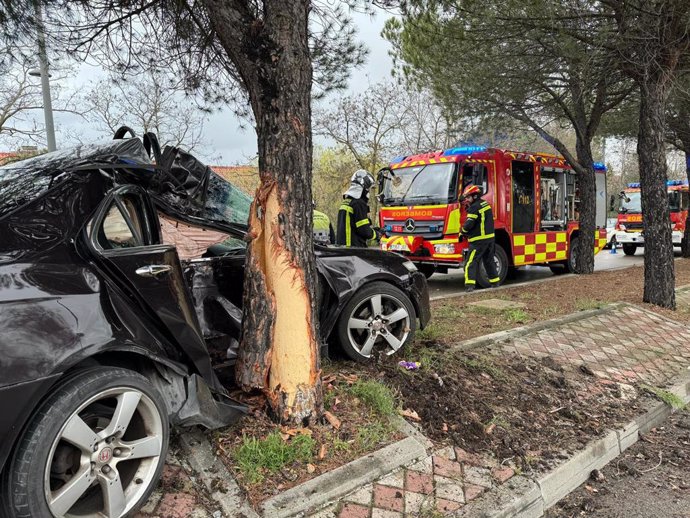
x=626 y=344
x=439 y=484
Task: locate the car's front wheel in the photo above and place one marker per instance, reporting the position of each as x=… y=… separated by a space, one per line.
x=95 y=448
x=378 y=317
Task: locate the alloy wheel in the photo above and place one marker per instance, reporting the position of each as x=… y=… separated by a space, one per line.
x=381 y=319
x=105 y=456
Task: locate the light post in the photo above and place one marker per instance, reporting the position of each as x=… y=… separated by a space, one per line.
x=45 y=79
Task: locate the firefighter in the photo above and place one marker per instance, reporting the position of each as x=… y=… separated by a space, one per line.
x=323 y=230
x=354 y=225
x=479 y=231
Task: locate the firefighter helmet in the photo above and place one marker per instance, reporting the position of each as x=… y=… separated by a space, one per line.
x=471 y=190
x=360 y=183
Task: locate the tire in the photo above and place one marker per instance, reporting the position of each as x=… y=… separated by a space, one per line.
x=501 y=259
x=570 y=264
x=558 y=268
x=427 y=269
x=629 y=249
x=74 y=452
x=363 y=328
x=513 y=272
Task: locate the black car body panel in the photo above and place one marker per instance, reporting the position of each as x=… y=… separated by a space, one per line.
x=66 y=301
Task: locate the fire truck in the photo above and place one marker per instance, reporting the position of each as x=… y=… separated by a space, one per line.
x=629 y=224
x=534 y=198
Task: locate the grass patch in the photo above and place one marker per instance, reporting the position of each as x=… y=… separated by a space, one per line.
x=587 y=304
x=375 y=395
x=517 y=316
x=484 y=364
x=667 y=397
x=369 y=436
x=254 y=457
x=430 y=333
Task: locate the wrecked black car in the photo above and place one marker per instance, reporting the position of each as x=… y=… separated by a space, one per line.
x=120 y=301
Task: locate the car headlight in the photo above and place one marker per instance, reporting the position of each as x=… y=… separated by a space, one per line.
x=445 y=248
x=410 y=266
x=622 y=227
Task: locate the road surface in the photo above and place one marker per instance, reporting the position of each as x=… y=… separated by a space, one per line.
x=451 y=283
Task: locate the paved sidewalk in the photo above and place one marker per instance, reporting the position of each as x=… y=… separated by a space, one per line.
x=625 y=344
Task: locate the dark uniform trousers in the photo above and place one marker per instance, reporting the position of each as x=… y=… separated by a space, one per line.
x=479 y=229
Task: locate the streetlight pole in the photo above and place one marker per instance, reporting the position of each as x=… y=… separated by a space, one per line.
x=45 y=81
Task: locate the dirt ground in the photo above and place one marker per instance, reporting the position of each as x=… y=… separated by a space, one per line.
x=649 y=480
x=525 y=412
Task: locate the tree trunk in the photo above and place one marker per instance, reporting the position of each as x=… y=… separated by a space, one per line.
x=685 y=244
x=584 y=258
x=659 y=277
x=279 y=347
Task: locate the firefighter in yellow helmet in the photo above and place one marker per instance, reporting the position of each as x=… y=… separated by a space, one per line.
x=354 y=225
x=479 y=231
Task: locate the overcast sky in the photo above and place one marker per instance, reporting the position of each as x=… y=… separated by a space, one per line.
x=227 y=142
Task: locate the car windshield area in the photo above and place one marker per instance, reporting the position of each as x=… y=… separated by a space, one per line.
x=431 y=183
x=632 y=203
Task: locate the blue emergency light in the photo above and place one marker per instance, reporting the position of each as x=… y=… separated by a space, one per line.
x=388 y=228
x=634 y=185
x=463 y=150
x=599 y=166
x=677 y=182
x=398 y=159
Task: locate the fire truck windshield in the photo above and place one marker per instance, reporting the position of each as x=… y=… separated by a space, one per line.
x=431 y=183
x=633 y=202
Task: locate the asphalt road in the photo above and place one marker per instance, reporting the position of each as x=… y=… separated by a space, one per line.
x=451 y=283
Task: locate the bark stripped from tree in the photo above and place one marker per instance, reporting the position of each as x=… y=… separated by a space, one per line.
x=279 y=345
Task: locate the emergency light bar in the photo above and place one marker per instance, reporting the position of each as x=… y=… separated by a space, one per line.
x=636 y=185
x=463 y=150
x=599 y=166
x=398 y=159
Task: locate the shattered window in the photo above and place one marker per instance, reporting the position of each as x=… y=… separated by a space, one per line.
x=115 y=232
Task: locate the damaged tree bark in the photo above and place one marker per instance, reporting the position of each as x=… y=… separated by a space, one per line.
x=279 y=346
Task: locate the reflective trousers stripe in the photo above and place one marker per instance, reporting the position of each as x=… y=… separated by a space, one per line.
x=467 y=268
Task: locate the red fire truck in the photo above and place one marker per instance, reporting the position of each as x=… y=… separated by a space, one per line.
x=534 y=198
x=629 y=224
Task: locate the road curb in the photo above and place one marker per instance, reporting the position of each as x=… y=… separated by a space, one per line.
x=214 y=475
x=330 y=486
x=529 y=499
x=502 y=336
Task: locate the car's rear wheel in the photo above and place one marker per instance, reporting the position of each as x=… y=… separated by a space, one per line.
x=95 y=448
x=379 y=317
x=629 y=249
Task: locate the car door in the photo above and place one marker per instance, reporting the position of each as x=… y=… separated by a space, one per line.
x=126 y=236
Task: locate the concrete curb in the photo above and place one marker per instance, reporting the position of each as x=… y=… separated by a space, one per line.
x=529 y=499
x=326 y=488
x=214 y=475
x=502 y=336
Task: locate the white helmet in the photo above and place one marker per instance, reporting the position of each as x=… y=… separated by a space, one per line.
x=360 y=183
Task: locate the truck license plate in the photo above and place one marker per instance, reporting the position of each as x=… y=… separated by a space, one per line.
x=399 y=247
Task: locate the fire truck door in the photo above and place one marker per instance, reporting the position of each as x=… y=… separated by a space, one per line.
x=523 y=196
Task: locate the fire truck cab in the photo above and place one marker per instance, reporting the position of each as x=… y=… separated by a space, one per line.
x=534 y=197
x=629 y=225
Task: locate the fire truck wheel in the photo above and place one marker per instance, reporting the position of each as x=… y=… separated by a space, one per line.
x=501 y=260
x=629 y=249
x=570 y=264
x=379 y=319
x=427 y=269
